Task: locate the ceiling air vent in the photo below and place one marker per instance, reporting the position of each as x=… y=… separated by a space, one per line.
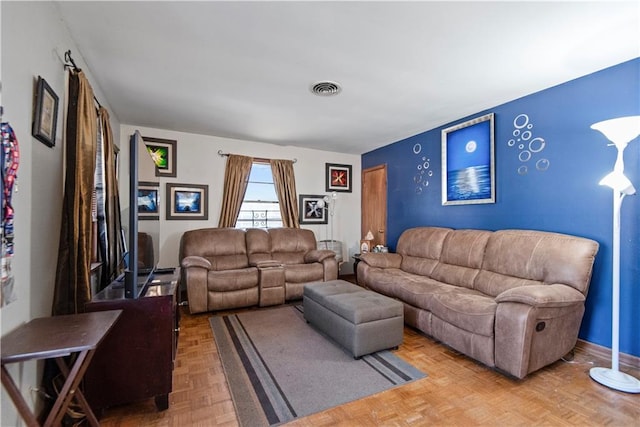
x=326 y=88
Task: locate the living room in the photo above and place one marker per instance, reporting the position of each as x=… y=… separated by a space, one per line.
x=561 y=194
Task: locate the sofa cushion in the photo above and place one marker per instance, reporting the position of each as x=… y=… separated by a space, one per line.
x=539 y=258
x=232 y=280
x=299 y=273
x=494 y=284
x=421 y=248
x=461 y=257
x=419 y=291
x=466 y=310
x=291 y=240
x=229 y=251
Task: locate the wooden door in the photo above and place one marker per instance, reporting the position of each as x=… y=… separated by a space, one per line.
x=374 y=203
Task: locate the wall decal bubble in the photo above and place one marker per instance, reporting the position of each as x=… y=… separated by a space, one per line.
x=527 y=147
x=420 y=179
x=542 y=165
x=524 y=156
x=521 y=121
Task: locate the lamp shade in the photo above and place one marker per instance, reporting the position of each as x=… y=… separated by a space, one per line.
x=619 y=182
x=620 y=130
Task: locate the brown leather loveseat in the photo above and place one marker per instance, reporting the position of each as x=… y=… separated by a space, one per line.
x=226 y=268
x=511 y=299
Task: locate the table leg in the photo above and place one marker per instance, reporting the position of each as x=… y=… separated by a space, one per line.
x=77 y=392
x=18 y=400
x=70 y=390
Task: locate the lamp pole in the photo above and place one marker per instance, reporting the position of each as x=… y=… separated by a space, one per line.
x=620 y=131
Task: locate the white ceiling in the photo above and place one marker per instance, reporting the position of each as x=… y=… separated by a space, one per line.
x=243 y=69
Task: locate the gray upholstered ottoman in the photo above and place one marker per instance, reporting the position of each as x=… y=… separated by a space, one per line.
x=362 y=321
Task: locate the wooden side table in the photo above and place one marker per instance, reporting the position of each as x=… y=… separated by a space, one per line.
x=54 y=338
x=356 y=260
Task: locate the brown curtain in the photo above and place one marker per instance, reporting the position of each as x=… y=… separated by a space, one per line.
x=285 y=182
x=110 y=223
x=72 y=286
x=236 y=178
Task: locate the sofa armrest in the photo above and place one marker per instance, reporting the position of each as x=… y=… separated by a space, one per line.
x=266 y=264
x=547 y=296
x=194 y=272
x=195 y=261
x=381 y=260
x=318 y=255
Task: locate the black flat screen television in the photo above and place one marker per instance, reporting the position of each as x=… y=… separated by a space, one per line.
x=135 y=278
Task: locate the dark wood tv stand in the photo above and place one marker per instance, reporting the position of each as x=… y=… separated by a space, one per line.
x=135 y=361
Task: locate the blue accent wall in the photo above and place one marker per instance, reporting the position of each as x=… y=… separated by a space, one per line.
x=548 y=165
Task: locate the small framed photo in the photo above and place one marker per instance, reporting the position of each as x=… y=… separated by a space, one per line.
x=163 y=153
x=45 y=116
x=338 y=177
x=148 y=199
x=468 y=169
x=310 y=211
x=187 y=201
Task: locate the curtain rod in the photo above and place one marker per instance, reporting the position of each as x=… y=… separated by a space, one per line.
x=257 y=159
x=70 y=63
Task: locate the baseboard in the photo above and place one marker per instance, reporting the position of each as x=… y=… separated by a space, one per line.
x=605 y=353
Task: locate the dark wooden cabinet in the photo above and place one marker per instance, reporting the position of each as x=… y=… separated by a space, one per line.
x=135 y=361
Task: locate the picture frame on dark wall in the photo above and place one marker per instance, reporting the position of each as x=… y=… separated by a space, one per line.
x=468 y=162
x=45 y=114
x=338 y=177
x=148 y=200
x=164 y=155
x=187 y=202
x=309 y=210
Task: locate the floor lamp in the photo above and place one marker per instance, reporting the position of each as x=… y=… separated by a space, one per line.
x=330 y=205
x=620 y=131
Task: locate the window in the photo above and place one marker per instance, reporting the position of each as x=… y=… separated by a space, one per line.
x=260 y=207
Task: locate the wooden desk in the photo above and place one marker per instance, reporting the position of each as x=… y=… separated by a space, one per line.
x=54 y=338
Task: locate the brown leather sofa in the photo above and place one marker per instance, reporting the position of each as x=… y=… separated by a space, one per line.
x=511 y=299
x=226 y=268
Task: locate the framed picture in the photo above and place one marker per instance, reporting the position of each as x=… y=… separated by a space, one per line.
x=310 y=211
x=338 y=177
x=365 y=246
x=187 y=201
x=163 y=153
x=468 y=170
x=45 y=116
x=148 y=199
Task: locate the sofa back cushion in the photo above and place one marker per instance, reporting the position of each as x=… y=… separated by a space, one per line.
x=225 y=248
x=258 y=245
x=461 y=258
x=524 y=257
x=288 y=245
x=420 y=248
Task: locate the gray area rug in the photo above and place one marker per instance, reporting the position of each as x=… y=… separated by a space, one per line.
x=279 y=367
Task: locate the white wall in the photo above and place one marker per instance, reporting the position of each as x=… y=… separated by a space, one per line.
x=199 y=163
x=34 y=40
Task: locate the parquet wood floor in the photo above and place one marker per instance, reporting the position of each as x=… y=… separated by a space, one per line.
x=457 y=392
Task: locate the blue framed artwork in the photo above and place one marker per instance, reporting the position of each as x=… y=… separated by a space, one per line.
x=187 y=201
x=148 y=208
x=468 y=170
